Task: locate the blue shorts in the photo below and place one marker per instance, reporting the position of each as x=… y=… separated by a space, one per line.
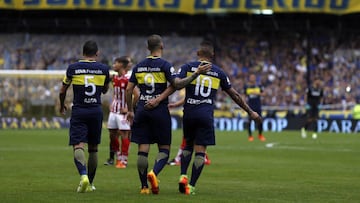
x=152 y=126
x=86 y=125
x=199 y=131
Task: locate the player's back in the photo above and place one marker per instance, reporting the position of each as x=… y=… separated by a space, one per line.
x=151 y=75
x=88 y=79
x=201 y=93
x=314 y=95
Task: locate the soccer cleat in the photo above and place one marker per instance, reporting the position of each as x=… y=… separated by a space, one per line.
x=261 y=138
x=109 y=162
x=90 y=188
x=183 y=183
x=303 y=133
x=190 y=190
x=153 y=182
x=144 y=191
x=84 y=183
x=120 y=164
x=173 y=162
x=207 y=160
x=251 y=138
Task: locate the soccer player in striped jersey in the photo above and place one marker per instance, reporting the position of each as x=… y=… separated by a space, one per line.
x=89 y=79
x=117 y=124
x=253 y=94
x=152 y=75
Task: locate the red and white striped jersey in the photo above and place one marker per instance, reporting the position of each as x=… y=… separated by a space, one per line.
x=119 y=84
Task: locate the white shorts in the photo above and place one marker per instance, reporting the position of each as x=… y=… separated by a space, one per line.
x=117 y=121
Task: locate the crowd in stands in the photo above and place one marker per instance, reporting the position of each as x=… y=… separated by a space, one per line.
x=278 y=60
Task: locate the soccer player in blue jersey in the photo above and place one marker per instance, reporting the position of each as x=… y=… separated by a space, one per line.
x=151 y=75
x=198 y=118
x=89 y=79
x=253 y=93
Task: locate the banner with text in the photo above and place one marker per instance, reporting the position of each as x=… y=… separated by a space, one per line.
x=191 y=6
x=220 y=123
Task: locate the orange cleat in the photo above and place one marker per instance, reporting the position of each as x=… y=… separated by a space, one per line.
x=251 y=138
x=183 y=184
x=262 y=138
x=154 y=182
x=144 y=191
x=207 y=160
x=120 y=164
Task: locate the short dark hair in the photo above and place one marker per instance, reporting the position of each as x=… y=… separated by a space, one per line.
x=206 y=49
x=90 y=48
x=154 y=42
x=124 y=60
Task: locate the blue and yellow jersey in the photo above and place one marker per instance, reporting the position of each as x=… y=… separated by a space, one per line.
x=152 y=75
x=88 y=79
x=201 y=93
x=252 y=93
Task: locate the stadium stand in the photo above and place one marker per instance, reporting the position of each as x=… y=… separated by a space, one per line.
x=273 y=47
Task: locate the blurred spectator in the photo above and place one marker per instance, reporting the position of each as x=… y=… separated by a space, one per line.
x=278 y=60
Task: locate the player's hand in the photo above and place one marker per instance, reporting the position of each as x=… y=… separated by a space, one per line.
x=63 y=110
x=171 y=105
x=123 y=110
x=151 y=104
x=203 y=68
x=255 y=116
x=130 y=117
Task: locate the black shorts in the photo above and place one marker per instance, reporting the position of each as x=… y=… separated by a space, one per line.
x=152 y=126
x=85 y=125
x=199 y=131
x=313 y=112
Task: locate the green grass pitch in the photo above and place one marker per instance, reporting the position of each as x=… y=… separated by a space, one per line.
x=37 y=166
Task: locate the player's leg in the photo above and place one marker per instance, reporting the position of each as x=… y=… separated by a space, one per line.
x=94 y=126
x=80 y=163
x=315 y=116
x=176 y=161
x=250 y=137
x=114 y=146
x=113 y=136
x=161 y=131
x=204 y=135
x=125 y=140
x=125 y=145
x=92 y=164
x=308 y=122
x=198 y=165
x=140 y=135
x=142 y=166
x=77 y=138
x=260 y=128
x=189 y=136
